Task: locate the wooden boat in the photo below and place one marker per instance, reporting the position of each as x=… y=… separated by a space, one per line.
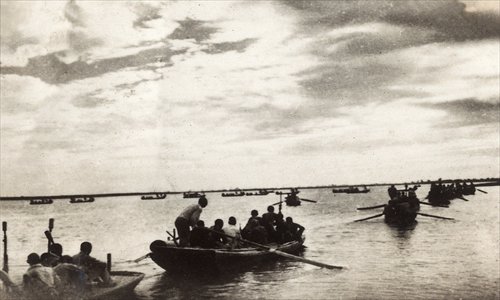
x=125 y=283
x=173 y=258
x=81 y=200
x=357 y=190
x=402 y=211
x=258 y=193
x=154 y=197
x=41 y=201
x=193 y=195
x=292 y=200
x=233 y=194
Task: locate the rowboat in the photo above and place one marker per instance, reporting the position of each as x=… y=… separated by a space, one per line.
x=154 y=197
x=401 y=212
x=41 y=201
x=192 y=195
x=292 y=200
x=173 y=258
x=233 y=194
x=125 y=284
x=81 y=200
x=258 y=193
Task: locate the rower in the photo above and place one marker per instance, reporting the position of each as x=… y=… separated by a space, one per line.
x=94 y=268
x=232 y=231
x=40 y=281
x=188 y=218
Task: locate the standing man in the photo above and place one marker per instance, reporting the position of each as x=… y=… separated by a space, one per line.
x=189 y=217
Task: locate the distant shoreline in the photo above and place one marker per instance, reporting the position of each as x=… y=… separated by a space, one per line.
x=477 y=182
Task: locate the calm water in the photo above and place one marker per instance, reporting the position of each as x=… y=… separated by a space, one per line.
x=437 y=259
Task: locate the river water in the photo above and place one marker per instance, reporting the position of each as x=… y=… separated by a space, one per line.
x=436 y=259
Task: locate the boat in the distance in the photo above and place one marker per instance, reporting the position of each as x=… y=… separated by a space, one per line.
x=185 y=259
x=193 y=195
x=81 y=199
x=258 y=193
x=41 y=201
x=157 y=196
x=352 y=190
x=235 y=193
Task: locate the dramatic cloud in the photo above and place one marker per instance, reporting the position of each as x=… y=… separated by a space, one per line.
x=114 y=95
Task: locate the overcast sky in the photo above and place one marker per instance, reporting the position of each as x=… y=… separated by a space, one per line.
x=118 y=96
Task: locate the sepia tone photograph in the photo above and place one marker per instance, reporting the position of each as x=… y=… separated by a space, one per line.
x=224 y=149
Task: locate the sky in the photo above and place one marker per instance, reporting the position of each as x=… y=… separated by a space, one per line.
x=118 y=96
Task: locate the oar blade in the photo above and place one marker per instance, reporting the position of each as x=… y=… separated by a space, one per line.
x=142 y=258
x=371 y=207
x=372 y=217
x=482 y=191
x=308 y=200
x=433 y=216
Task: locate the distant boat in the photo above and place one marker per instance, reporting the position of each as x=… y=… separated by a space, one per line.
x=81 y=199
x=154 y=197
x=258 y=193
x=193 y=195
x=351 y=190
x=236 y=193
x=41 y=201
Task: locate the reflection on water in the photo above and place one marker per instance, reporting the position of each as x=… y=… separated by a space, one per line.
x=432 y=259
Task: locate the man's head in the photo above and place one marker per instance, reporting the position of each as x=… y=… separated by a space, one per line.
x=232 y=221
x=67 y=259
x=219 y=223
x=289 y=220
x=200 y=224
x=254 y=213
x=33 y=259
x=86 y=247
x=203 y=202
x=270 y=208
x=56 y=249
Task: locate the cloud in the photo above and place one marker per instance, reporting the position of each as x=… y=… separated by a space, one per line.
x=466 y=112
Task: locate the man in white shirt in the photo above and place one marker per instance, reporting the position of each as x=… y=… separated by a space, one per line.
x=233 y=231
x=40 y=281
x=188 y=218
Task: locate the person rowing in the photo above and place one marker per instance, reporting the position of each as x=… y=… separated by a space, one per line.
x=95 y=269
x=188 y=218
x=39 y=281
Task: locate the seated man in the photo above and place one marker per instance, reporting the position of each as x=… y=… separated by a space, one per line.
x=245 y=233
x=258 y=233
x=295 y=230
x=39 y=281
x=233 y=231
x=71 y=276
x=268 y=221
x=200 y=236
x=94 y=268
x=218 y=239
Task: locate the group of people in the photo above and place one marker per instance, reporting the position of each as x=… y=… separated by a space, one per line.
x=450 y=191
x=53 y=274
x=270 y=228
x=408 y=195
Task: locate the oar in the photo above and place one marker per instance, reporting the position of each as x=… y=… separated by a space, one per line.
x=142 y=258
x=372 y=217
x=433 y=216
x=371 y=207
x=49 y=237
x=280 y=253
x=173 y=237
x=482 y=191
x=462 y=198
x=307 y=200
x=426 y=203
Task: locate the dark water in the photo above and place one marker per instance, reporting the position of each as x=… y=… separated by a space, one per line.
x=436 y=259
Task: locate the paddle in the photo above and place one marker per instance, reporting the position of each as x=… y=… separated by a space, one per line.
x=141 y=258
x=433 y=216
x=372 y=217
x=371 y=207
x=462 y=198
x=307 y=200
x=49 y=237
x=482 y=191
x=280 y=253
x=426 y=203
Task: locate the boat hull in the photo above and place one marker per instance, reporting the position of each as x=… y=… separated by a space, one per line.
x=173 y=258
x=400 y=213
